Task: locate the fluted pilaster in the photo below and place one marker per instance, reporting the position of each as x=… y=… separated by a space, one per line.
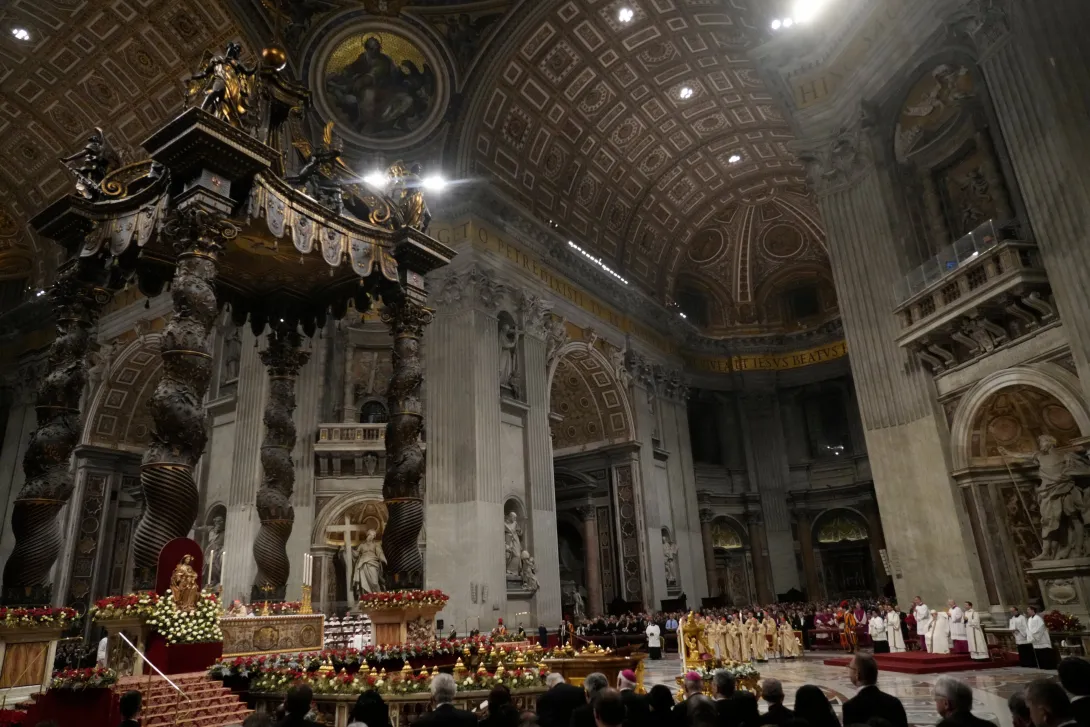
x=283 y=358
x=401 y=488
x=76 y=301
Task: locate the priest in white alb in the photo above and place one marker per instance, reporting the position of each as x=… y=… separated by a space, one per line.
x=958 y=642
x=978 y=645
x=894 y=637
x=923 y=621
x=938 y=634
x=876 y=629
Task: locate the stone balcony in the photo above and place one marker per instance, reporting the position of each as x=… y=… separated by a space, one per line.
x=345 y=449
x=982 y=294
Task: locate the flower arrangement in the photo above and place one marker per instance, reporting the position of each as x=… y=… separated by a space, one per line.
x=280 y=680
x=1056 y=621
x=284 y=608
x=403 y=599
x=134 y=605
x=200 y=625
x=98 y=677
x=48 y=616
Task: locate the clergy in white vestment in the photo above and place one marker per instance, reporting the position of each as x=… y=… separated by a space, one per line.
x=938 y=638
x=1018 y=628
x=877 y=630
x=923 y=621
x=978 y=645
x=958 y=643
x=894 y=637
x=1044 y=656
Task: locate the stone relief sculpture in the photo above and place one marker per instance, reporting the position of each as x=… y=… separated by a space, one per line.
x=370 y=463
x=512 y=543
x=368 y=561
x=1064 y=505
x=556 y=337
x=528 y=572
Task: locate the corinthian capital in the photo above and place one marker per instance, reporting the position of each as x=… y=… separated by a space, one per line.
x=533 y=310
x=838 y=162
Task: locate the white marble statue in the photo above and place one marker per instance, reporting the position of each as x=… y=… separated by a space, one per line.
x=528 y=572
x=1064 y=506
x=512 y=543
x=577 y=605
x=669 y=552
x=367 y=563
x=213 y=551
x=509 y=338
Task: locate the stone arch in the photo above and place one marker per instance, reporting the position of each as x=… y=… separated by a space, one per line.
x=333 y=512
x=118 y=416
x=585 y=392
x=1053 y=381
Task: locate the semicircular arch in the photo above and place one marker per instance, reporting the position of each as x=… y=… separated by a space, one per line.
x=585 y=392
x=118 y=416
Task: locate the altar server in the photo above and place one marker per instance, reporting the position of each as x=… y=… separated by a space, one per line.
x=876 y=628
x=1044 y=656
x=1019 y=629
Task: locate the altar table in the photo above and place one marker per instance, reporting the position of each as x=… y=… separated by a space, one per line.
x=253 y=635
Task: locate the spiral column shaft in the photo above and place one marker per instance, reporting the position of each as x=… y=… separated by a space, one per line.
x=180 y=430
x=283 y=359
x=401 y=489
x=76 y=304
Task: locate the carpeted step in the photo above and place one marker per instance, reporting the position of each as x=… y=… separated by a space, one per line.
x=915 y=662
x=210 y=704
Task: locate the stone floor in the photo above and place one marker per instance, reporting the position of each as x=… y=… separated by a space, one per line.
x=991 y=688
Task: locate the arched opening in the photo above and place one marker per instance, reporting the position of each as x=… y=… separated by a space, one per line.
x=733 y=566
x=842 y=549
x=346 y=538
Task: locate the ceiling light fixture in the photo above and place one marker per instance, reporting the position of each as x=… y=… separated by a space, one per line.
x=435 y=183
x=776 y=24
x=625 y=15
x=39 y=294
x=21 y=34
x=734 y=158
x=376 y=179
x=685 y=92
x=596 y=261
x=788 y=22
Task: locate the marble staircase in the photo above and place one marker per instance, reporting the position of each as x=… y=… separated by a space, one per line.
x=209 y=703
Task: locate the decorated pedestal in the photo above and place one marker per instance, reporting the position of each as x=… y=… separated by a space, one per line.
x=578 y=667
x=1065 y=585
x=246 y=636
x=119 y=655
x=403 y=624
x=26 y=659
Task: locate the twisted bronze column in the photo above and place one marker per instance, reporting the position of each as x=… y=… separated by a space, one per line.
x=76 y=305
x=177 y=405
x=283 y=359
x=404 y=456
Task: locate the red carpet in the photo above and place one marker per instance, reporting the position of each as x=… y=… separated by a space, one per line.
x=916 y=662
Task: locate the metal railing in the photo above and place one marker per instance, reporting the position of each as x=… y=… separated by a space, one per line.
x=144 y=657
x=953 y=256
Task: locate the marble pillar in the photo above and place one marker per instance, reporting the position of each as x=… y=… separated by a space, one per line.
x=239 y=567
x=905 y=432
x=804 y=525
x=766 y=455
x=590 y=550
x=708 y=543
x=308 y=388
x=759 y=548
x=1034 y=62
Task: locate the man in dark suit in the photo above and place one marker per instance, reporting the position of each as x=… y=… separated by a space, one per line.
x=555 y=707
x=722 y=691
x=870 y=701
x=593 y=685
x=1074 y=673
x=777 y=714
x=954 y=703
x=445 y=713
x=1049 y=705
x=130 y=708
x=609 y=709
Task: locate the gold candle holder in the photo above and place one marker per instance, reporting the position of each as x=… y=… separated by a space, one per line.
x=306 y=606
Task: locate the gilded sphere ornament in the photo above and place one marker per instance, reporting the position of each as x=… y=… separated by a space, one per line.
x=274 y=57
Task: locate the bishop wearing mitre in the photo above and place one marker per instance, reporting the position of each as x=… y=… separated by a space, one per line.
x=958 y=642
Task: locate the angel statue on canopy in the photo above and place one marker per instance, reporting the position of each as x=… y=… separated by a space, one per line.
x=226 y=86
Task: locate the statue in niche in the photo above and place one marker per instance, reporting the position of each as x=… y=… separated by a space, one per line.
x=1064 y=505
x=509 y=374
x=578 y=606
x=975 y=198
x=232 y=353
x=669 y=552
x=368 y=561
x=528 y=572
x=370 y=463
x=512 y=543
x=213 y=551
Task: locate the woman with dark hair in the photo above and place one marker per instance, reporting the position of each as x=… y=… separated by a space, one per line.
x=743 y=705
x=660 y=700
x=812 y=705
x=370 y=710
x=501 y=712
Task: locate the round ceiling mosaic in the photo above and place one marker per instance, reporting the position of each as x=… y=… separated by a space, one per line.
x=383 y=85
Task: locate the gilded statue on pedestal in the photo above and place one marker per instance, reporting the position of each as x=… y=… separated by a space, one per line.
x=183 y=585
x=226 y=85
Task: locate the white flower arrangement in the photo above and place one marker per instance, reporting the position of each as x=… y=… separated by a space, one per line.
x=201 y=625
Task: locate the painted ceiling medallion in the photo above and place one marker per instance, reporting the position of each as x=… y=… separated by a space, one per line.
x=384 y=85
